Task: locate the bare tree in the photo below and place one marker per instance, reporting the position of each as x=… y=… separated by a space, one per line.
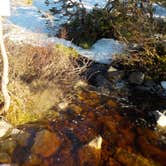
x=5 y=78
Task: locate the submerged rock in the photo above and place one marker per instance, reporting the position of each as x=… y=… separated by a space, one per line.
x=128 y=158
x=46 y=143
x=90 y=154
x=136 y=78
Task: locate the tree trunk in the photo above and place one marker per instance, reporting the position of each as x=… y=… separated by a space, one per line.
x=5 y=78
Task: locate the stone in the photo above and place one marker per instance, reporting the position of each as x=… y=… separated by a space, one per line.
x=33 y=160
x=80 y=84
x=46 y=143
x=160 y=118
x=96 y=143
x=4 y=127
x=116 y=76
x=101 y=81
x=22 y=138
x=163 y=84
x=127 y=158
x=136 y=78
x=63 y=105
x=112 y=69
x=90 y=154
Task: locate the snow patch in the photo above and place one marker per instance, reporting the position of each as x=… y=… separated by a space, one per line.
x=159 y=11
x=102 y=51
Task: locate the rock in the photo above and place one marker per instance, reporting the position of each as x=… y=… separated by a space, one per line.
x=4 y=158
x=126 y=158
x=46 y=143
x=163 y=84
x=136 y=78
x=33 y=160
x=101 y=81
x=80 y=84
x=8 y=146
x=63 y=105
x=116 y=76
x=22 y=138
x=4 y=127
x=160 y=118
x=90 y=154
x=112 y=69
x=96 y=143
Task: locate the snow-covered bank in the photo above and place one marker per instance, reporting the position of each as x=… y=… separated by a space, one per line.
x=32 y=24
x=102 y=51
x=159 y=11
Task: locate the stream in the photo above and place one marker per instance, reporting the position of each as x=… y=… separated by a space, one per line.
x=109 y=122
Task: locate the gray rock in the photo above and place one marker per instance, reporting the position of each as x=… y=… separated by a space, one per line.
x=116 y=76
x=136 y=78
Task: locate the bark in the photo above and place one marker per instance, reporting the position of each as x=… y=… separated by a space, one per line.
x=5 y=78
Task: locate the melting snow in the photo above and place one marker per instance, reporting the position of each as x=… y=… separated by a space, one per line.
x=30 y=27
x=159 y=11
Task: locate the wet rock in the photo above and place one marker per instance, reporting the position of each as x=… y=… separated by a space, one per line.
x=160 y=119
x=5 y=158
x=23 y=138
x=149 y=145
x=80 y=84
x=90 y=154
x=116 y=76
x=33 y=160
x=128 y=159
x=63 y=105
x=101 y=81
x=96 y=143
x=136 y=78
x=46 y=143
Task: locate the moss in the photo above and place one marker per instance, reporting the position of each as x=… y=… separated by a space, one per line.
x=68 y=51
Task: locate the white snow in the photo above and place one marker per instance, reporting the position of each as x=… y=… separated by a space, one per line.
x=31 y=28
x=159 y=11
x=102 y=51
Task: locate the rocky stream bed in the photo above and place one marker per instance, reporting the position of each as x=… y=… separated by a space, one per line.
x=106 y=124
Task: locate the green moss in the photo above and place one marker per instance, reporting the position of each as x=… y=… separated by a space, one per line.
x=68 y=51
